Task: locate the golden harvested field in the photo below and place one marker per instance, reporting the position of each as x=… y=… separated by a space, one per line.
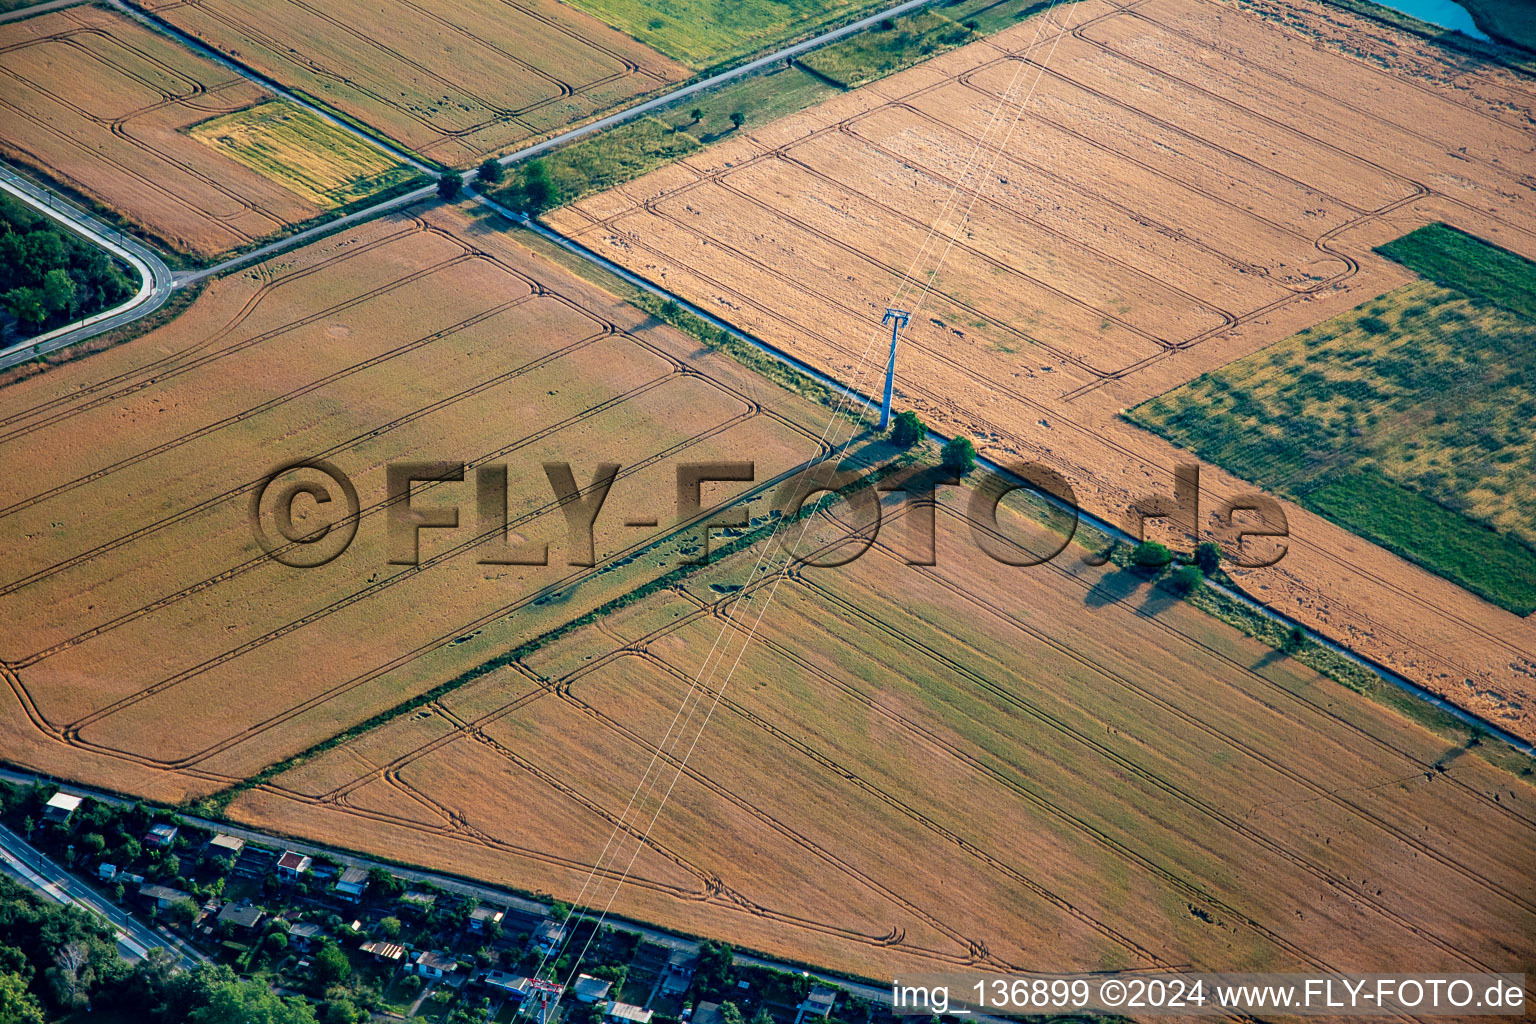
x=1053 y=768
x=1142 y=193
x=97 y=101
x=154 y=648
x=451 y=81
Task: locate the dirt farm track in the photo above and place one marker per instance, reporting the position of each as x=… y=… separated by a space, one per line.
x=1188 y=181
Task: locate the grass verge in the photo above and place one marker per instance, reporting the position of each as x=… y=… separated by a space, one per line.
x=605 y=159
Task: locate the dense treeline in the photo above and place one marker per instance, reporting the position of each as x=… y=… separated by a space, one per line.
x=49 y=275
x=55 y=960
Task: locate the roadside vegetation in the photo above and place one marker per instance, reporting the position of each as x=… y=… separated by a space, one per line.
x=680 y=129
x=702 y=33
x=50 y=276
x=1409 y=420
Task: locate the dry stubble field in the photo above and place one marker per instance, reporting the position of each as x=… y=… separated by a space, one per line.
x=97 y=101
x=452 y=82
x=156 y=650
x=1189 y=181
x=1052 y=768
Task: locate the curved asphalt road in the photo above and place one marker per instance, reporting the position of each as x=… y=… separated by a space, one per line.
x=155 y=278
x=160 y=282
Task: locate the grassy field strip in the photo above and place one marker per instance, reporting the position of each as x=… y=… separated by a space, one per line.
x=292 y=146
x=612 y=157
x=1408 y=419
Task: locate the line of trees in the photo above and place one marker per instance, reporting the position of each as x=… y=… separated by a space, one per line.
x=50 y=276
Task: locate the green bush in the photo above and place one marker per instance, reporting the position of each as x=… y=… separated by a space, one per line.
x=907 y=429
x=1186 y=579
x=959 y=456
x=449 y=186
x=1208 y=557
x=1149 y=554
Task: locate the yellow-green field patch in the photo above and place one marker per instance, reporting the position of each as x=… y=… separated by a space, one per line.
x=302 y=152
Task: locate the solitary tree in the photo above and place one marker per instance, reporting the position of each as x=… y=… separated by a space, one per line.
x=959 y=456
x=738 y=119
x=1295 y=640
x=490 y=172
x=697 y=113
x=907 y=429
x=449 y=186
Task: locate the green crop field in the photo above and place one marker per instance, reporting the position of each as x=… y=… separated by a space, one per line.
x=1457 y=260
x=894 y=44
x=705 y=32
x=1408 y=419
x=309 y=155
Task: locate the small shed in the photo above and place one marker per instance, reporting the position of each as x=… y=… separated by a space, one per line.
x=59 y=807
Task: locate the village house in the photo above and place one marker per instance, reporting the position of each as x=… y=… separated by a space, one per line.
x=817 y=1003
x=384 y=952
x=160 y=896
x=352 y=884
x=224 y=846
x=515 y=987
x=241 y=917
x=422 y=902
x=303 y=935
x=432 y=964
x=678 y=973
x=549 y=937
x=626 y=1013
x=161 y=835
x=484 y=919
x=591 y=990
x=291 y=865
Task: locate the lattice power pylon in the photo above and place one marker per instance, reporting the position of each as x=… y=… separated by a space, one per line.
x=898 y=319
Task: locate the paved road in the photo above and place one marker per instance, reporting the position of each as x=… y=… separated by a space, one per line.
x=164 y=282
x=27 y=12
x=24 y=862
x=155 y=277
x=787 y=53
